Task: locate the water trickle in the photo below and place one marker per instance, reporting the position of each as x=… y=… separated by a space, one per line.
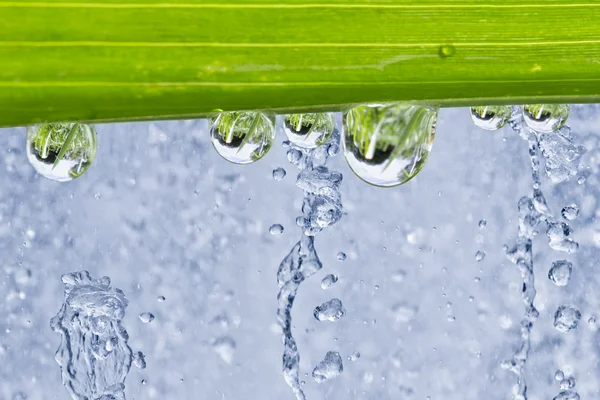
x=61 y=151
x=570 y=212
x=308 y=130
x=276 y=229
x=243 y=137
x=388 y=145
x=94 y=356
x=146 y=317
x=545 y=118
x=491 y=118
x=279 y=173
x=479 y=256
x=560 y=272
x=329 y=281
x=331 y=367
x=566 y=318
x=331 y=310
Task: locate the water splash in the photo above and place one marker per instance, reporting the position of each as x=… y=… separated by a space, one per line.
x=94 y=356
x=321 y=208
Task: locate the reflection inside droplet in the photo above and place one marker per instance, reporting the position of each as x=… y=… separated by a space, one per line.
x=61 y=151
x=545 y=118
x=308 y=130
x=243 y=137
x=491 y=118
x=387 y=145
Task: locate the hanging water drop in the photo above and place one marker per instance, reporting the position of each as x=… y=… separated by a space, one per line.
x=388 y=145
x=545 y=118
x=243 y=137
x=331 y=367
x=570 y=212
x=331 y=310
x=146 y=317
x=308 y=130
x=566 y=318
x=61 y=151
x=560 y=272
x=491 y=118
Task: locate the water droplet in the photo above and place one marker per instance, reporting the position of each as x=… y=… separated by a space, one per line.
x=294 y=156
x=278 y=174
x=341 y=256
x=567 y=395
x=308 y=130
x=482 y=223
x=562 y=156
x=161 y=299
x=331 y=310
x=329 y=281
x=61 y=151
x=225 y=347
x=566 y=318
x=560 y=272
x=329 y=368
x=491 y=118
x=354 y=356
x=276 y=229
x=146 y=317
x=570 y=212
x=144 y=381
x=581 y=180
x=139 y=360
x=559 y=375
x=558 y=235
x=388 y=145
x=447 y=50
x=479 y=256
x=592 y=320
x=243 y=137
x=568 y=383
x=398 y=276
x=545 y=118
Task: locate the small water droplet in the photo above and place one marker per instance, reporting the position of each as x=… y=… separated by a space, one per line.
x=388 y=145
x=559 y=375
x=482 y=223
x=560 y=272
x=243 y=137
x=491 y=118
x=479 y=256
x=545 y=118
x=308 y=130
x=477 y=279
x=146 y=317
x=276 y=229
x=329 y=368
x=581 y=180
x=566 y=318
x=279 y=173
x=329 y=281
x=341 y=256
x=447 y=50
x=144 y=382
x=570 y=212
x=331 y=310
x=61 y=151
x=592 y=320
x=354 y=356
x=139 y=360
x=161 y=299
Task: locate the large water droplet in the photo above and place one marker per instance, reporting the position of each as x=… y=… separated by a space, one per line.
x=570 y=212
x=560 y=272
x=566 y=318
x=331 y=367
x=243 y=137
x=61 y=151
x=545 y=118
x=308 y=130
x=387 y=145
x=331 y=310
x=491 y=118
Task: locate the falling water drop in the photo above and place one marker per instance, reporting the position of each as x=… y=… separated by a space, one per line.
x=545 y=118
x=139 y=360
x=354 y=356
x=491 y=118
x=278 y=174
x=479 y=256
x=225 y=347
x=331 y=310
x=560 y=272
x=341 y=256
x=276 y=229
x=161 y=299
x=331 y=367
x=329 y=281
x=388 y=145
x=243 y=137
x=482 y=223
x=566 y=318
x=61 y=151
x=559 y=375
x=146 y=317
x=568 y=383
x=570 y=212
x=308 y=130
x=567 y=395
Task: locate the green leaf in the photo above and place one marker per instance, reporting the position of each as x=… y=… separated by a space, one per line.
x=111 y=60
